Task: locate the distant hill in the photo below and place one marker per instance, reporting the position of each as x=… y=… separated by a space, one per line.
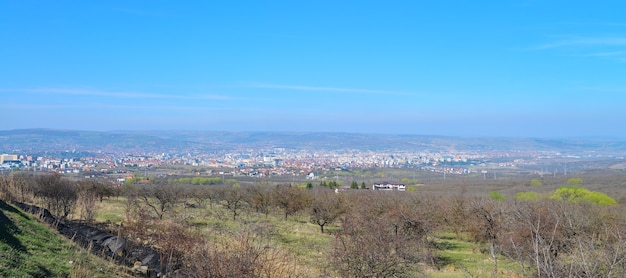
x=90 y=142
x=84 y=142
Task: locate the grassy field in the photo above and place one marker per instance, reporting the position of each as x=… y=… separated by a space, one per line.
x=303 y=241
x=463 y=258
x=29 y=248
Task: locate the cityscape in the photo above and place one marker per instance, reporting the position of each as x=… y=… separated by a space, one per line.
x=273 y=160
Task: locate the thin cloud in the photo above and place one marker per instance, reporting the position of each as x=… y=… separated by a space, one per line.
x=603 y=89
x=79 y=92
x=606 y=54
x=600 y=41
x=36 y=106
x=323 y=89
x=164 y=107
x=9 y=106
x=143 y=13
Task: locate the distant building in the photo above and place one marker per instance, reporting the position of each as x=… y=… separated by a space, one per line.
x=387 y=185
x=8 y=157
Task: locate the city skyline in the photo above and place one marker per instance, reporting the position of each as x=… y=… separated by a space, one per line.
x=496 y=68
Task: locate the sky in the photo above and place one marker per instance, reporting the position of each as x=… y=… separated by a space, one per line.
x=506 y=68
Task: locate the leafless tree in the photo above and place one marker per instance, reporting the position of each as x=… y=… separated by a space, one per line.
x=201 y=193
x=291 y=199
x=131 y=197
x=453 y=212
x=87 y=197
x=376 y=243
x=244 y=254
x=487 y=220
x=101 y=189
x=17 y=186
x=59 y=195
x=233 y=200
x=160 y=197
x=259 y=198
x=326 y=206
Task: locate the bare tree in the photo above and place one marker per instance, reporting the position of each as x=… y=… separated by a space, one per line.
x=59 y=195
x=101 y=189
x=5 y=189
x=244 y=254
x=160 y=197
x=291 y=199
x=375 y=243
x=454 y=212
x=326 y=206
x=131 y=196
x=259 y=198
x=201 y=193
x=487 y=225
x=18 y=187
x=87 y=197
x=233 y=200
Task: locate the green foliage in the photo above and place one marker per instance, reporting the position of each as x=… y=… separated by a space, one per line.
x=197 y=181
x=601 y=199
x=130 y=181
x=535 y=182
x=411 y=189
x=363 y=186
x=408 y=181
x=330 y=184
x=135 y=179
x=574 y=181
x=527 y=196
x=354 y=185
x=493 y=195
x=577 y=194
x=195 y=170
x=231 y=181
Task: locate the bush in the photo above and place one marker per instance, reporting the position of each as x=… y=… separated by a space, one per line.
x=527 y=196
x=496 y=196
x=577 y=194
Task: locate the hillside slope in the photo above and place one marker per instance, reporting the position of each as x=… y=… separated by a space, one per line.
x=29 y=248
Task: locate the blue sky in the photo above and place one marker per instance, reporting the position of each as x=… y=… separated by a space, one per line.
x=466 y=68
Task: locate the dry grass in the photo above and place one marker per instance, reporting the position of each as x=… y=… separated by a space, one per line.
x=303 y=242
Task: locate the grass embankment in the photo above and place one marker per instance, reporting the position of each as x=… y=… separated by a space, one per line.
x=29 y=248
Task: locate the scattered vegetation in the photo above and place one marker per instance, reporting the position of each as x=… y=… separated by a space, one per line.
x=285 y=230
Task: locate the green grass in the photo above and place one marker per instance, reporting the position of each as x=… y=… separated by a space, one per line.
x=29 y=248
x=111 y=210
x=463 y=258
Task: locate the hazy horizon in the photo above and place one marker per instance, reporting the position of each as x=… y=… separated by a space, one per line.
x=486 y=69
x=286 y=132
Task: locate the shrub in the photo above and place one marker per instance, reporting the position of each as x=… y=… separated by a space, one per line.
x=577 y=194
x=496 y=196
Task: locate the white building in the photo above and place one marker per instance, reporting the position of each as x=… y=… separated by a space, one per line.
x=386 y=185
